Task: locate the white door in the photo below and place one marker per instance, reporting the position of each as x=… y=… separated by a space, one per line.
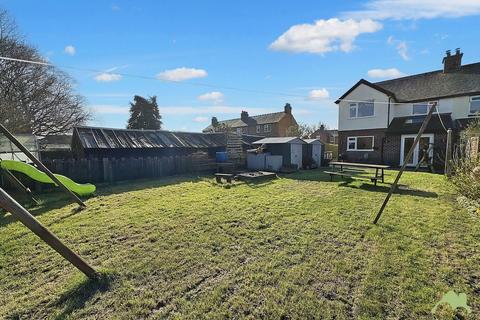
x=317 y=153
x=424 y=145
x=296 y=154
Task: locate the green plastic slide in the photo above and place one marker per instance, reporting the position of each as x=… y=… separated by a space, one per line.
x=37 y=175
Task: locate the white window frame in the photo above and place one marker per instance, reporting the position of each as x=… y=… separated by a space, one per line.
x=356 y=105
x=429 y=105
x=470 y=105
x=355 y=139
x=259 y=129
x=239 y=131
x=267 y=127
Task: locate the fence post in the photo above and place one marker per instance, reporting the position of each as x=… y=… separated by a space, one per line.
x=448 y=154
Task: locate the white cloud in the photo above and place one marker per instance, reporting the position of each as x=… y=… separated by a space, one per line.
x=109 y=109
x=385 y=73
x=70 y=50
x=401 y=46
x=402 y=50
x=181 y=74
x=209 y=110
x=324 y=35
x=108 y=77
x=214 y=96
x=200 y=119
x=319 y=94
x=190 y=110
x=415 y=9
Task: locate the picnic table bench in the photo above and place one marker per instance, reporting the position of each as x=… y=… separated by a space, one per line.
x=345 y=170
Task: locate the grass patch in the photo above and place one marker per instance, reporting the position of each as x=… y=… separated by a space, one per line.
x=293 y=248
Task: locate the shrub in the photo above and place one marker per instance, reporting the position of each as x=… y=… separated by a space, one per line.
x=466 y=177
x=466 y=169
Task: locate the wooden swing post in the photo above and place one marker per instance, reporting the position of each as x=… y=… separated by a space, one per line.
x=18 y=184
x=406 y=160
x=40 y=165
x=19 y=212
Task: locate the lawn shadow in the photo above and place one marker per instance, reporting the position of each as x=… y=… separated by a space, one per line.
x=259 y=183
x=307 y=175
x=76 y=297
x=401 y=189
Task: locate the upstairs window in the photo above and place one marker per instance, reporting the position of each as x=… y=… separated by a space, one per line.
x=360 y=143
x=475 y=104
x=362 y=109
x=421 y=108
x=239 y=131
x=267 y=128
x=259 y=129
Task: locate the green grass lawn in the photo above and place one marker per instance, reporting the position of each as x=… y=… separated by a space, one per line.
x=299 y=247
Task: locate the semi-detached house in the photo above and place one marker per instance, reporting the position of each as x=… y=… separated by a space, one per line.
x=378 y=121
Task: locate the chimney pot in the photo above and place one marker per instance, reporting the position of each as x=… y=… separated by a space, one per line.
x=452 y=63
x=244 y=115
x=288 y=108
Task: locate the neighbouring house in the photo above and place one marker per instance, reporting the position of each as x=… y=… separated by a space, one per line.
x=265 y=125
x=325 y=135
x=378 y=121
x=280 y=152
x=98 y=142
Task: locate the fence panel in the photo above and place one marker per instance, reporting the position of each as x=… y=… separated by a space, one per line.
x=94 y=170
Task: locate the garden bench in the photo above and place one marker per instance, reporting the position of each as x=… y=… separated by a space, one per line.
x=346 y=170
x=226 y=176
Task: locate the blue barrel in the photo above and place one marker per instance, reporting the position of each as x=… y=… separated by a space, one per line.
x=221 y=156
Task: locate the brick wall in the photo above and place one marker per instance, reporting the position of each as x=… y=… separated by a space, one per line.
x=391 y=147
x=391 y=150
x=374 y=156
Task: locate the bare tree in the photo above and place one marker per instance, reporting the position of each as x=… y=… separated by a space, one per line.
x=34 y=98
x=304 y=130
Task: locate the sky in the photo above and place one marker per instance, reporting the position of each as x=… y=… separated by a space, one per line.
x=217 y=58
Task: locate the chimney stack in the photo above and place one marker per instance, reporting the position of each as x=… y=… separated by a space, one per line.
x=244 y=115
x=452 y=63
x=214 y=121
x=288 y=108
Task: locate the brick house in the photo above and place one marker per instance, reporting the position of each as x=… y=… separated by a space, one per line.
x=264 y=125
x=326 y=135
x=378 y=121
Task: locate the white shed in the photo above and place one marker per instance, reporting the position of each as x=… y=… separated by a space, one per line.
x=290 y=148
x=315 y=149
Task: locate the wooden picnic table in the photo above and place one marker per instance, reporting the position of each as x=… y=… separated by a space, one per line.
x=379 y=170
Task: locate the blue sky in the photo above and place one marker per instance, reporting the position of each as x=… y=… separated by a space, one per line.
x=306 y=53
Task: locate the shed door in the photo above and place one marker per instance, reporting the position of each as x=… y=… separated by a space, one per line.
x=317 y=153
x=296 y=154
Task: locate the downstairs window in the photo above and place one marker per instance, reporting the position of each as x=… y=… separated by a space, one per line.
x=360 y=143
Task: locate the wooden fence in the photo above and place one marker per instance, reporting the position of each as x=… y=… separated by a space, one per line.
x=118 y=169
